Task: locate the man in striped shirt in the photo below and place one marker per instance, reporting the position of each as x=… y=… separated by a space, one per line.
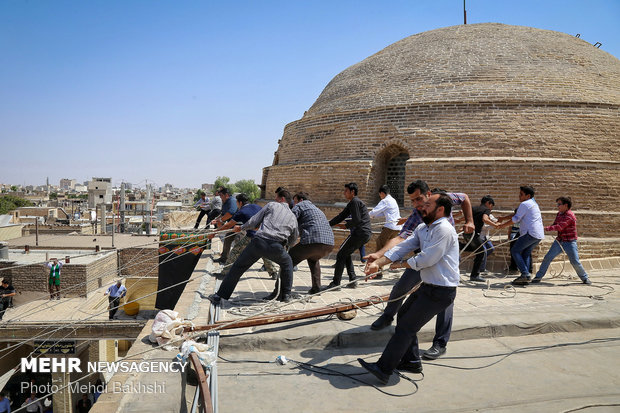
x=566 y=225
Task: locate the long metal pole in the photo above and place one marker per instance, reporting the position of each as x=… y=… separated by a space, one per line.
x=464 y=13
x=272 y=319
x=113 y=220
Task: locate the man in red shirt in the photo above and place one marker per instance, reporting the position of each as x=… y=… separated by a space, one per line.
x=566 y=225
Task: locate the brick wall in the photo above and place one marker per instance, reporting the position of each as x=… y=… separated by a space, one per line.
x=139 y=262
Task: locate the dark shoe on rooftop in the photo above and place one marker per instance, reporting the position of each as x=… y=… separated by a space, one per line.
x=271 y=296
x=331 y=285
x=215 y=299
x=314 y=290
x=373 y=369
x=434 y=352
x=410 y=366
x=522 y=280
x=586 y=281
x=351 y=284
x=381 y=322
x=477 y=278
x=536 y=280
x=287 y=298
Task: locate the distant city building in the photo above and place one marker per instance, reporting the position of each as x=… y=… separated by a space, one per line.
x=67 y=183
x=207 y=187
x=99 y=192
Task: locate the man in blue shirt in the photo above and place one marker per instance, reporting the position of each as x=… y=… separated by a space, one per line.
x=229 y=207
x=115 y=293
x=419 y=193
x=244 y=212
x=204 y=206
x=438 y=264
x=5 y=404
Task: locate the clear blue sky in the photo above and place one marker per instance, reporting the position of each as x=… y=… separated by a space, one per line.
x=183 y=91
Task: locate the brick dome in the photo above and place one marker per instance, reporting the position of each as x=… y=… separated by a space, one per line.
x=476 y=63
x=480 y=109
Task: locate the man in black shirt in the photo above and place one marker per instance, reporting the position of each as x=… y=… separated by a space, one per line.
x=477 y=245
x=6 y=292
x=360 y=234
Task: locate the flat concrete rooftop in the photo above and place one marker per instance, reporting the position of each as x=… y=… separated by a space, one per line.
x=20 y=257
x=86 y=241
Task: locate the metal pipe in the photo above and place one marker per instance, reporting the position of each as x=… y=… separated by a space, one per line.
x=280 y=318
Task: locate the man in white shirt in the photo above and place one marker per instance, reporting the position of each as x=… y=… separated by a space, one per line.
x=531 y=232
x=438 y=263
x=388 y=209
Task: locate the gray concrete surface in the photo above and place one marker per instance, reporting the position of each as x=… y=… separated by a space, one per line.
x=476 y=375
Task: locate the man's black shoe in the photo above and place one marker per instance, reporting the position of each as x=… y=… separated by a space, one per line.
x=331 y=285
x=587 y=281
x=434 y=352
x=314 y=290
x=375 y=371
x=219 y=260
x=215 y=299
x=521 y=280
x=287 y=298
x=536 y=280
x=271 y=296
x=410 y=366
x=351 y=284
x=477 y=278
x=381 y=322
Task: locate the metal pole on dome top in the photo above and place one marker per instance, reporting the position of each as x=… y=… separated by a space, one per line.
x=464 y=13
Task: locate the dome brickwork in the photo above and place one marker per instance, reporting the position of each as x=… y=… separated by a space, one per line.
x=480 y=109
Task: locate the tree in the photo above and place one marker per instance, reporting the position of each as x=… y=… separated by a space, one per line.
x=53 y=195
x=248 y=187
x=225 y=182
x=9 y=203
x=14 y=188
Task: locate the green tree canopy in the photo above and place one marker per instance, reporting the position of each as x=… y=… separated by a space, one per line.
x=9 y=203
x=225 y=182
x=248 y=187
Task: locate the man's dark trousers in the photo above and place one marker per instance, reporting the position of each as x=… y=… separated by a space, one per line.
x=256 y=249
x=4 y=305
x=226 y=245
x=409 y=279
x=114 y=303
x=348 y=247
x=312 y=253
x=419 y=309
x=212 y=214
x=202 y=214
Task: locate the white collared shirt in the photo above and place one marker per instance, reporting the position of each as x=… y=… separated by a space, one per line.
x=438 y=260
x=530 y=220
x=388 y=207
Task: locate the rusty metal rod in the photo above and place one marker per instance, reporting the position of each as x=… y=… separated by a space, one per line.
x=205 y=394
x=280 y=318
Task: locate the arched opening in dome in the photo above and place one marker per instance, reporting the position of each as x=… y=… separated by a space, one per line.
x=395 y=177
x=389 y=169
